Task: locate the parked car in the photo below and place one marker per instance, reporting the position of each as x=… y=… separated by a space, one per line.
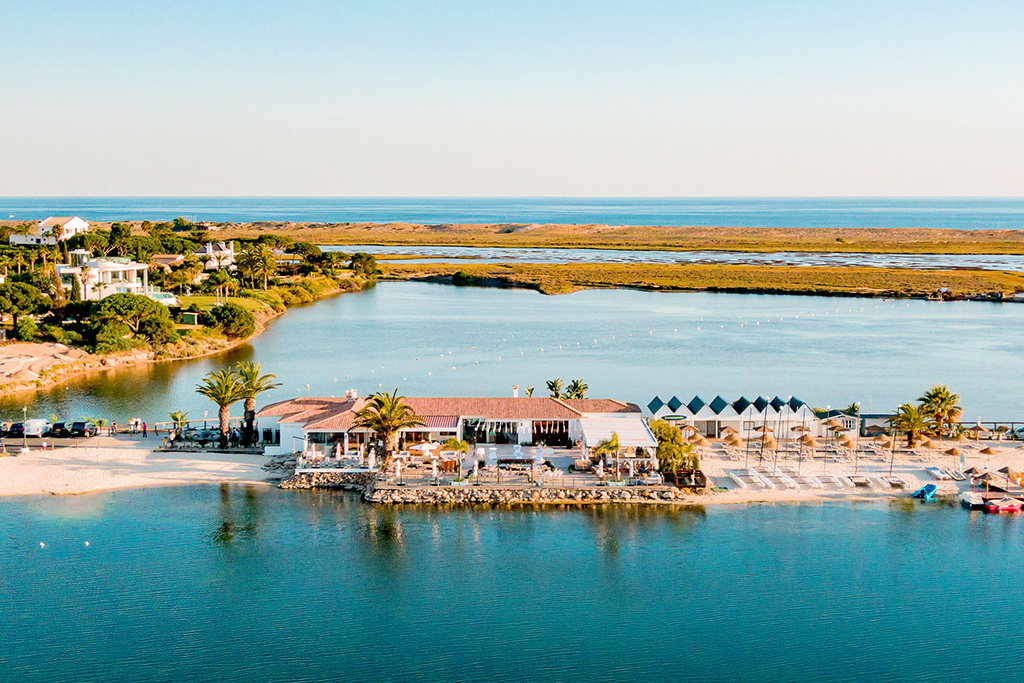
x=60 y=430
x=83 y=429
x=16 y=431
x=37 y=427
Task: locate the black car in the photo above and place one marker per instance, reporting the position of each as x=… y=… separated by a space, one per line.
x=83 y=429
x=60 y=430
x=17 y=430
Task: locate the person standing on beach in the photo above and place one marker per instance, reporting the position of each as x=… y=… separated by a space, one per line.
x=113 y=427
x=143 y=430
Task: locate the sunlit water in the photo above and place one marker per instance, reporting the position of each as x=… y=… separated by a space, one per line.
x=437 y=340
x=445 y=254
x=966 y=213
x=256 y=584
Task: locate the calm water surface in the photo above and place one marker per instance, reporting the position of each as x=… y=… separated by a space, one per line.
x=256 y=584
x=813 y=212
x=436 y=340
x=445 y=254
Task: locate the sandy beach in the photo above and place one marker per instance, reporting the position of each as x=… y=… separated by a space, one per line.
x=907 y=466
x=105 y=463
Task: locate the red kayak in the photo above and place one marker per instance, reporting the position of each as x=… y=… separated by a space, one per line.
x=1003 y=505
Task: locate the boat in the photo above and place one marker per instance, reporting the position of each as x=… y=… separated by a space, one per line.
x=1016 y=477
x=926 y=492
x=1003 y=505
x=938 y=473
x=972 y=500
x=955 y=475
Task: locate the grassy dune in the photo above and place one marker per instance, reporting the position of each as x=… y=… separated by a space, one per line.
x=880 y=240
x=560 y=278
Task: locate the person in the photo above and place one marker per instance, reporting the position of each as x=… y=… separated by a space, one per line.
x=143 y=430
x=113 y=427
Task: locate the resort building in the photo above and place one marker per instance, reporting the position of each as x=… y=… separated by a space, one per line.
x=167 y=261
x=305 y=423
x=218 y=255
x=100 y=277
x=747 y=416
x=45 y=232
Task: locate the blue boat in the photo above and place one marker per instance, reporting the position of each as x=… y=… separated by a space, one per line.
x=926 y=492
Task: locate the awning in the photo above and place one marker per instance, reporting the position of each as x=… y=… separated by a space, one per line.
x=632 y=430
x=444 y=423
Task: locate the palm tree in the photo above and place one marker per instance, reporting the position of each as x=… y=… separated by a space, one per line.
x=610 y=446
x=253 y=384
x=257 y=262
x=852 y=410
x=529 y=392
x=385 y=415
x=179 y=418
x=555 y=387
x=456 y=444
x=224 y=388
x=911 y=419
x=942 y=406
x=576 y=389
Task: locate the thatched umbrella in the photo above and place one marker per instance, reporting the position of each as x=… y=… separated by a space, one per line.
x=728 y=429
x=1005 y=471
x=955 y=452
x=962 y=438
x=801 y=428
x=987 y=450
x=734 y=440
x=687 y=428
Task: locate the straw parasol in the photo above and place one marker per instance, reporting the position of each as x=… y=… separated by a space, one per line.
x=801 y=428
x=687 y=428
x=953 y=451
x=987 y=450
x=962 y=438
x=734 y=440
x=763 y=428
x=727 y=430
x=832 y=422
x=694 y=438
x=805 y=438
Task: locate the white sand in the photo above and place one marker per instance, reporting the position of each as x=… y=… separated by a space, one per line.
x=910 y=469
x=109 y=464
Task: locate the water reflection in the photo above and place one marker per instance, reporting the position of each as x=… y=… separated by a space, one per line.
x=234 y=525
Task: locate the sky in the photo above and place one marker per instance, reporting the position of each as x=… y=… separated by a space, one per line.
x=438 y=98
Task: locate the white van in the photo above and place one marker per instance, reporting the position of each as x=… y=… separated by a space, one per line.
x=37 y=427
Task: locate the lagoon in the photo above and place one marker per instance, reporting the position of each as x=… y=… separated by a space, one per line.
x=435 y=340
x=240 y=583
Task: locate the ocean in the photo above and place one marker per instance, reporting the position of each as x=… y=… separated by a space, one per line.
x=813 y=212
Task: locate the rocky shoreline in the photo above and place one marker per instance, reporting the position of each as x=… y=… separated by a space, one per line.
x=389 y=494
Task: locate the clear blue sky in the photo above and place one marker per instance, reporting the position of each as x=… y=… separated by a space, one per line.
x=713 y=97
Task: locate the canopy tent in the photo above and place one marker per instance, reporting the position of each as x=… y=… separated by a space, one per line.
x=632 y=431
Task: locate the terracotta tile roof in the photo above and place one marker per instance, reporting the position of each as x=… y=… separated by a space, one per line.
x=601 y=405
x=440 y=422
x=55 y=220
x=337 y=414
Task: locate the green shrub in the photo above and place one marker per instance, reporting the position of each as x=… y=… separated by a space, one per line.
x=234 y=320
x=26 y=329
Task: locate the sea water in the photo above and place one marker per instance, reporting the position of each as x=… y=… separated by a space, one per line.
x=234 y=583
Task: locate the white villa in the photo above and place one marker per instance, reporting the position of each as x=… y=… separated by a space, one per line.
x=311 y=423
x=42 y=233
x=782 y=416
x=218 y=255
x=100 y=277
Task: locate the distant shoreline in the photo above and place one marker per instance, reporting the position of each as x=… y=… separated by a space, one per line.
x=628 y=237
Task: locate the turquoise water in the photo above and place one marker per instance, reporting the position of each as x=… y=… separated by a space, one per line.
x=966 y=213
x=437 y=340
x=256 y=584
